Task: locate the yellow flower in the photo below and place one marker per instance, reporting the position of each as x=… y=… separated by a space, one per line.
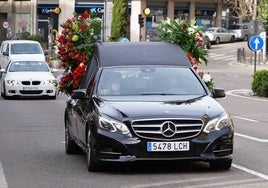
x=75 y=38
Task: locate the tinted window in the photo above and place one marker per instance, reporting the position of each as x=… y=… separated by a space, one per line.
x=25 y=48
x=234 y=27
x=91 y=68
x=150 y=81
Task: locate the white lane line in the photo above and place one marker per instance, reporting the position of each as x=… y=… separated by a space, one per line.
x=3 y=182
x=250 y=171
x=232 y=93
x=247 y=119
x=252 y=138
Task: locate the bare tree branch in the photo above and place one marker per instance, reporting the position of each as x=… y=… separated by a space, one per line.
x=242 y=8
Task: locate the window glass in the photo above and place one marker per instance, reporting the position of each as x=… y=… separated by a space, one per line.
x=149 y=81
x=25 y=48
x=91 y=68
x=28 y=66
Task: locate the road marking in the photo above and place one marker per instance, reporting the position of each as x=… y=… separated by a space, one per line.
x=232 y=93
x=252 y=138
x=3 y=182
x=253 y=172
x=247 y=119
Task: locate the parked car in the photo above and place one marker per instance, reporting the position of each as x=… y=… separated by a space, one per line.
x=19 y=49
x=162 y=109
x=219 y=35
x=241 y=31
x=207 y=40
x=28 y=78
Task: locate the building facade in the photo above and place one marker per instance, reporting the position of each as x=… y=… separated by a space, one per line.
x=36 y=16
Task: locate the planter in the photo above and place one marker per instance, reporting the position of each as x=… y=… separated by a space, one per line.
x=55 y=64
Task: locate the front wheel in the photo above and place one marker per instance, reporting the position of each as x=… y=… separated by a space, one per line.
x=221 y=164
x=92 y=163
x=217 y=41
x=70 y=146
x=232 y=39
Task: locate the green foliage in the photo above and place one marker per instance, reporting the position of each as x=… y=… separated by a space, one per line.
x=188 y=36
x=35 y=37
x=259 y=84
x=119 y=20
x=263 y=13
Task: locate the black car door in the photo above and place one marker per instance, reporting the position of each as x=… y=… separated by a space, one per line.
x=84 y=108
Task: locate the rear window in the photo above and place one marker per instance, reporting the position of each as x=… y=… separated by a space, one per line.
x=25 y=48
x=235 y=26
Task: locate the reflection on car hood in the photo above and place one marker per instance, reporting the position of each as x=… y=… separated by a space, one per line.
x=35 y=57
x=30 y=75
x=195 y=108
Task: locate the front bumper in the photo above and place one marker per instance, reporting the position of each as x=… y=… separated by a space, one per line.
x=113 y=147
x=32 y=91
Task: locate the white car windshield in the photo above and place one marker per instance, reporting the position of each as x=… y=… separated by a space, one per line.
x=28 y=66
x=149 y=81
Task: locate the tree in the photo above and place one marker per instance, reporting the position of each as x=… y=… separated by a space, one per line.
x=119 y=20
x=263 y=13
x=245 y=8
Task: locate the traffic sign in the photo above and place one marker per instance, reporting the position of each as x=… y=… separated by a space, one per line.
x=255 y=43
x=255 y=27
x=5 y=24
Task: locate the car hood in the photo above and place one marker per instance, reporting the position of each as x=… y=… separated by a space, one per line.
x=30 y=76
x=192 y=108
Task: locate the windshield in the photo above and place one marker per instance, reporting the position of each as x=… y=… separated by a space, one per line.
x=28 y=66
x=26 y=48
x=149 y=81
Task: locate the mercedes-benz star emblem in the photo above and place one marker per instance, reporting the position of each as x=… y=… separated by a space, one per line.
x=168 y=129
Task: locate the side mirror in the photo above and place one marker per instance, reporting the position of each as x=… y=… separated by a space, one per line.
x=79 y=94
x=218 y=93
x=5 y=53
x=45 y=52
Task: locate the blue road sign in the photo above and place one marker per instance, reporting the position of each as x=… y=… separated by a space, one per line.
x=255 y=43
x=124 y=40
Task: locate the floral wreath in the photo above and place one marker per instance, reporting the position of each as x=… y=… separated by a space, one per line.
x=75 y=45
x=188 y=36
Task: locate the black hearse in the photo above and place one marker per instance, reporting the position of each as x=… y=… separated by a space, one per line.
x=161 y=109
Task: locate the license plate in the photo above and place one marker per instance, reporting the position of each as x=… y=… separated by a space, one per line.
x=30 y=88
x=168 y=146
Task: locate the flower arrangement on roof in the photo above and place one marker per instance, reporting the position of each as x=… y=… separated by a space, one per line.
x=188 y=36
x=75 y=45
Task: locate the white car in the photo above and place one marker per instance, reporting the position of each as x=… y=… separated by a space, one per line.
x=28 y=78
x=219 y=35
x=19 y=49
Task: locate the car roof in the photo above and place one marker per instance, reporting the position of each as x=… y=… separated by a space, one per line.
x=139 y=53
x=20 y=41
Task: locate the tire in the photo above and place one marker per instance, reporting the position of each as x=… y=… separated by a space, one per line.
x=53 y=97
x=208 y=45
x=70 y=146
x=3 y=93
x=217 y=41
x=232 y=39
x=221 y=164
x=92 y=163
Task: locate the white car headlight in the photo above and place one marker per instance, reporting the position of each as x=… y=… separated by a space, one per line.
x=218 y=123
x=51 y=82
x=113 y=126
x=12 y=82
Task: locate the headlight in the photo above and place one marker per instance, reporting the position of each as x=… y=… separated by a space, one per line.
x=12 y=82
x=113 y=126
x=218 y=123
x=51 y=82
